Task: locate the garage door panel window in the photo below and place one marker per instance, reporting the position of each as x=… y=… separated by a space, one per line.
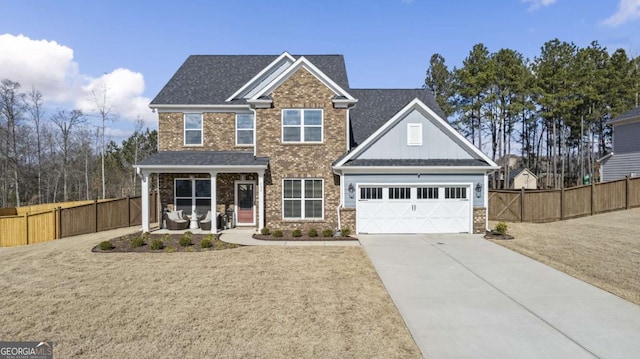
x=427 y=192
x=399 y=193
x=371 y=193
x=455 y=192
x=302 y=199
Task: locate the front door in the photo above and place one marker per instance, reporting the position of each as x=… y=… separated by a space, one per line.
x=245 y=204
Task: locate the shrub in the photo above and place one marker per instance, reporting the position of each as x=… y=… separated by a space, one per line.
x=157 y=244
x=327 y=233
x=265 y=231
x=170 y=249
x=146 y=236
x=313 y=232
x=206 y=243
x=345 y=232
x=137 y=242
x=296 y=233
x=106 y=245
x=166 y=237
x=501 y=228
x=277 y=233
x=185 y=240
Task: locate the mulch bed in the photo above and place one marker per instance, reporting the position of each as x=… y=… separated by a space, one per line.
x=171 y=243
x=496 y=235
x=289 y=237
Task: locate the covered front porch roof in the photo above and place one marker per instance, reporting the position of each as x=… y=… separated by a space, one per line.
x=202 y=161
x=211 y=162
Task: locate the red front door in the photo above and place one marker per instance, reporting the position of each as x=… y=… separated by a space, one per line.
x=245 y=203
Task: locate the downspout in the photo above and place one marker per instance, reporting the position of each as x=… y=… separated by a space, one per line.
x=338 y=211
x=255 y=130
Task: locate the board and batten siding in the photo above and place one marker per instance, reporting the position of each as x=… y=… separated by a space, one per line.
x=626 y=138
x=412 y=178
x=436 y=144
x=621 y=165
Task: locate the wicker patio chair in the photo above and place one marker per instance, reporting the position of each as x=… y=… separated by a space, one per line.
x=205 y=223
x=175 y=221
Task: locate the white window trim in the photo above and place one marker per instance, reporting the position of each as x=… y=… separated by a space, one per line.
x=193 y=192
x=302 y=125
x=253 y=129
x=414 y=132
x=302 y=199
x=184 y=129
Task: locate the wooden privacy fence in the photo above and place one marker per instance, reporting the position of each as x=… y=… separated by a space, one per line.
x=560 y=204
x=59 y=222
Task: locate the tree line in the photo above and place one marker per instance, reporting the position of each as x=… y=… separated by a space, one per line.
x=53 y=157
x=550 y=111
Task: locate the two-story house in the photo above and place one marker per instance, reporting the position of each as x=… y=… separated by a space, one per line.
x=286 y=143
x=625 y=159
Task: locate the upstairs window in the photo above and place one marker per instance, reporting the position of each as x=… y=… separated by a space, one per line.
x=244 y=129
x=302 y=125
x=193 y=129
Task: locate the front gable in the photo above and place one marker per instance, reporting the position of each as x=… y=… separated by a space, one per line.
x=416 y=135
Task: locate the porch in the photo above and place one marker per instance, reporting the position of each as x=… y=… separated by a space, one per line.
x=229 y=184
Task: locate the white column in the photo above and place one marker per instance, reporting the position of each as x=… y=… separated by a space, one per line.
x=214 y=200
x=144 y=178
x=261 y=199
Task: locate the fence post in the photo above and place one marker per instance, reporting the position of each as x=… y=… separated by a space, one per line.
x=593 y=190
x=128 y=211
x=95 y=206
x=55 y=230
x=562 y=203
x=522 y=204
x=59 y=219
x=627 y=193
x=26 y=226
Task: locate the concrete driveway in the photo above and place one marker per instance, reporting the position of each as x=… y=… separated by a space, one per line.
x=464 y=297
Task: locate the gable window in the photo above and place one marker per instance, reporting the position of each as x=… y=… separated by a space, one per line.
x=244 y=129
x=302 y=125
x=193 y=129
x=302 y=199
x=414 y=134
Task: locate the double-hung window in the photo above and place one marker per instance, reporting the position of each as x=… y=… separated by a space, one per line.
x=302 y=199
x=193 y=129
x=244 y=129
x=302 y=125
x=193 y=193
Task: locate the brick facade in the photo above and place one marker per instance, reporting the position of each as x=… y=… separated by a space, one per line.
x=479 y=220
x=348 y=219
x=301 y=90
x=218 y=132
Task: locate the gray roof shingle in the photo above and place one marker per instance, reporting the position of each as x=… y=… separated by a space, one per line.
x=633 y=113
x=415 y=162
x=211 y=79
x=376 y=106
x=204 y=158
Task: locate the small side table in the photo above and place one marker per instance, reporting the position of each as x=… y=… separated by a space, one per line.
x=194 y=222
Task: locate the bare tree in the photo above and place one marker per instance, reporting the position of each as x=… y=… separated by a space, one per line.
x=104 y=108
x=66 y=122
x=11 y=110
x=35 y=106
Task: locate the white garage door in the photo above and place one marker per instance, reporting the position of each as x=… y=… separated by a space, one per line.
x=414 y=208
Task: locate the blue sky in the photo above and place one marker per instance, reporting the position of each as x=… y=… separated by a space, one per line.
x=71 y=49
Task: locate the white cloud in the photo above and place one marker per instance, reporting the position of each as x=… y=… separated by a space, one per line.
x=628 y=10
x=536 y=4
x=49 y=67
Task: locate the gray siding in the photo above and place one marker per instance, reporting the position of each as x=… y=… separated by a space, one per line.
x=626 y=138
x=621 y=165
x=412 y=178
x=436 y=144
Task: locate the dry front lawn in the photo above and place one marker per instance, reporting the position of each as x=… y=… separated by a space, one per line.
x=249 y=302
x=603 y=250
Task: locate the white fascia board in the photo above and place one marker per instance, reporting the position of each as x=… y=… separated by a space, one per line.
x=284 y=55
x=198 y=169
x=413 y=169
x=200 y=108
x=624 y=121
x=302 y=62
x=604 y=158
x=420 y=106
